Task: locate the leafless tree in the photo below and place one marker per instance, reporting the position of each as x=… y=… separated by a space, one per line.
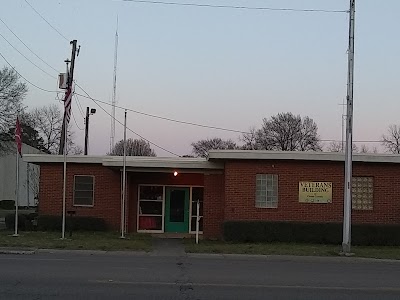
x=336 y=146
x=134 y=147
x=47 y=120
x=286 y=132
x=202 y=147
x=364 y=149
x=12 y=92
x=249 y=139
x=391 y=141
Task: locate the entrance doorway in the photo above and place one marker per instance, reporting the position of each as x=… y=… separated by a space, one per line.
x=177 y=209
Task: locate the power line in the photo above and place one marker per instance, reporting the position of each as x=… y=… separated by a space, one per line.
x=142 y=137
x=27 y=46
x=164 y=118
x=27 y=57
x=196 y=124
x=43 y=18
x=79 y=106
x=236 y=7
x=38 y=87
x=353 y=141
x=76 y=123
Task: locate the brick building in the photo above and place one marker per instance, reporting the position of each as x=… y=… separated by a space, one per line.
x=230 y=185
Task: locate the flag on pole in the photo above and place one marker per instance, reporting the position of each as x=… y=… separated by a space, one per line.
x=67 y=105
x=18 y=137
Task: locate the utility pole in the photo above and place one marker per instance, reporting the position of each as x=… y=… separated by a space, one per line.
x=346 y=244
x=92 y=111
x=70 y=80
x=63 y=141
x=86 y=130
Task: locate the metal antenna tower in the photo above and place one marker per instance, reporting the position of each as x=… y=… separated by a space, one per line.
x=114 y=92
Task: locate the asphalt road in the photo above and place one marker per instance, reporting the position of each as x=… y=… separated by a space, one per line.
x=151 y=276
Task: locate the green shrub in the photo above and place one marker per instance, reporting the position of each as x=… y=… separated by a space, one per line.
x=321 y=233
x=53 y=223
x=7 y=204
x=10 y=221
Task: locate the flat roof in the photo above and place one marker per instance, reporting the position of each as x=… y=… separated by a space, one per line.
x=131 y=161
x=215 y=155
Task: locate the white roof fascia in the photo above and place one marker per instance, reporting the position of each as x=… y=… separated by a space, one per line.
x=297 y=155
x=133 y=162
x=156 y=162
x=48 y=158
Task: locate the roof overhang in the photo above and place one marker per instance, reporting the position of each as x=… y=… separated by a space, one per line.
x=216 y=155
x=132 y=162
x=48 y=158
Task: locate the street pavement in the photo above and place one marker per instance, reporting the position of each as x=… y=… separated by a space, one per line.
x=176 y=275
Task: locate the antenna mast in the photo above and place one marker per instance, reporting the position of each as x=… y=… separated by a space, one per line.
x=114 y=93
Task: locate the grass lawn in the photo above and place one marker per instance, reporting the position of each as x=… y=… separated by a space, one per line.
x=79 y=240
x=288 y=249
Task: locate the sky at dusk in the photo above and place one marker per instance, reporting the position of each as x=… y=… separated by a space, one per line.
x=221 y=67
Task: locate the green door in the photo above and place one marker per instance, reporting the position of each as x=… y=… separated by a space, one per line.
x=177 y=209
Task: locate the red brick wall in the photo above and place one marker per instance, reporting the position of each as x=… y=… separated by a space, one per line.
x=240 y=191
x=107 y=191
x=213 y=205
x=135 y=179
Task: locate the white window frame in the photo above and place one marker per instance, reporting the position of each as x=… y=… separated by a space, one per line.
x=267 y=206
x=84 y=205
x=138 y=215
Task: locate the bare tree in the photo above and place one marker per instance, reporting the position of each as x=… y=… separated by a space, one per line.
x=12 y=92
x=133 y=148
x=202 y=147
x=391 y=141
x=250 y=140
x=336 y=146
x=286 y=132
x=364 y=149
x=47 y=120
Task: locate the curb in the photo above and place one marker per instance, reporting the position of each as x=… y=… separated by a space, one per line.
x=17 y=251
x=303 y=258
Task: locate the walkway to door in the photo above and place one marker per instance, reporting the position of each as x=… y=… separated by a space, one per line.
x=168 y=247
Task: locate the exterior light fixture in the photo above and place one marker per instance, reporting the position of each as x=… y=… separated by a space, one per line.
x=175 y=173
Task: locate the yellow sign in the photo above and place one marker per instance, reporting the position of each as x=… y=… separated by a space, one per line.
x=315 y=192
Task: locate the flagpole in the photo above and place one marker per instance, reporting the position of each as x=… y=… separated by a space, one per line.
x=65 y=180
x=16 y=193
x=123 y=185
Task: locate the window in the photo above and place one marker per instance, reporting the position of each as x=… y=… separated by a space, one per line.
x=267 y=191
x=362 y=193
x=197 y=194
x=83 y=190
x=151 y=200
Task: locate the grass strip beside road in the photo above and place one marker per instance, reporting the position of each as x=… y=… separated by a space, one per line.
x=107 y=241
x=205 y=246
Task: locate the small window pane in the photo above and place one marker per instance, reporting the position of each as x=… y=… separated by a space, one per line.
x=150 y=208
x=83 y=190
x=193 y=224
x=194 y=208
x=83 y=201
x=151 y=192
x=197 y=193
x=150 y=223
